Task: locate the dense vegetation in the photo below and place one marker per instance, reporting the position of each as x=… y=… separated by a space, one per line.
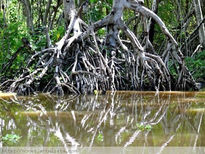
x=30 y=29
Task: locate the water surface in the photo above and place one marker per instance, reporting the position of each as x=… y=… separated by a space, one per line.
x=124 y=119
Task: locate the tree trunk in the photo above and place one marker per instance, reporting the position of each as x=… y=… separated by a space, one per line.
x=69 y=10
x=199 y=17
x=48 y=6
x=28 y=14
x=3 y=7
x=152 y=24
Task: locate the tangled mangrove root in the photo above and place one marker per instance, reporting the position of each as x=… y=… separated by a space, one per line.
x=82 y=62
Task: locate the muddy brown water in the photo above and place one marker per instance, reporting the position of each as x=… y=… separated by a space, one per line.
x=116 y=119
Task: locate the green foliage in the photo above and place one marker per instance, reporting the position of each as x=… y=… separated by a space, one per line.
x=98 y=10
x=167 y=14
x=57 y=33
x=15 y=29
x=93 y=1
x=143 y=127
x=100 y=137
x=196 y=65
x=13 y=12
x=11 y=139
x=10 y=42
x=1 y=19
x=96 y=92
x=11 y=35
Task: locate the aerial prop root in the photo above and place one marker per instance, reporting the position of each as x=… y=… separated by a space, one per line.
x=53 y=57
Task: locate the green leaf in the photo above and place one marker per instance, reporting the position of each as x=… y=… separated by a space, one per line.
x=148 y=127
x=95 y=92
x=93 y=1
x=100 y=137
x=11 y=138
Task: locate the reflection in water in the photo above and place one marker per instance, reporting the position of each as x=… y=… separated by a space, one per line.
x=107 y=120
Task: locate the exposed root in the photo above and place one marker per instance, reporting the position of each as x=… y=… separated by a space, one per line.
x=81 y=63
